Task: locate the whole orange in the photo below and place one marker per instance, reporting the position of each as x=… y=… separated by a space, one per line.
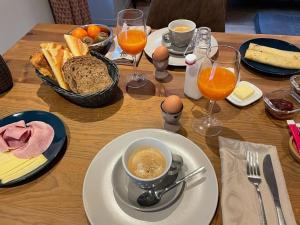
x=93 y=31
x=79 y=33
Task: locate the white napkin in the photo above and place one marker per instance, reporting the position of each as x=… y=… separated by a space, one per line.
x=239 y=199
x=116 y=54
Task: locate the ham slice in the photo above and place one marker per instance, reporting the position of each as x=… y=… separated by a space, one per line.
x=26 y=140
x=4 y=146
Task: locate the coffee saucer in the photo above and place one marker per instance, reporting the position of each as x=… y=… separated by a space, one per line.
x=172 y=48
x=126 y=192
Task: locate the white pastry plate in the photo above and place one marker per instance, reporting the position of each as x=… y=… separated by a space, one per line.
x=254 y=97
x=196 y=205
x=155 y=39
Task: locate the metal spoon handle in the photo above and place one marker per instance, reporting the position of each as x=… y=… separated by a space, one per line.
x=196 y=171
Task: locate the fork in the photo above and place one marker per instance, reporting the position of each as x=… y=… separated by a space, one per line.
x=254 y=177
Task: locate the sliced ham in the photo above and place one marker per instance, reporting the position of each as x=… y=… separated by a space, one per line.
x=41 y=137
x=26 y=140
x=16 y=137
x=4 y=146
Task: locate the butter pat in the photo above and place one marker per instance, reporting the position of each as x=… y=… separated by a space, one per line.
x=243 y=91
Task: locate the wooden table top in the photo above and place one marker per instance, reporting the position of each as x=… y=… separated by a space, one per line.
x=56 y=197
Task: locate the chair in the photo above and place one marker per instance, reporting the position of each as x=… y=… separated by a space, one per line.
x=210 y=13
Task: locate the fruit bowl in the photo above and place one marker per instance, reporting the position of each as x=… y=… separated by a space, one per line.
x=282 y=104
x=97 y=36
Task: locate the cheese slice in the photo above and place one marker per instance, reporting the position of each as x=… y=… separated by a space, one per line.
x=12 y=167
x=26 y=168
x=243 y=91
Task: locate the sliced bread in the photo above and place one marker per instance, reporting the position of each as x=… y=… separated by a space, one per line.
x=86 y=74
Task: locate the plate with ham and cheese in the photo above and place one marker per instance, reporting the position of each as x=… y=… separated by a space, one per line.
x=30 y=142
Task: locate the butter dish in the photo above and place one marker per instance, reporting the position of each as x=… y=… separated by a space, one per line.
x=257 y=94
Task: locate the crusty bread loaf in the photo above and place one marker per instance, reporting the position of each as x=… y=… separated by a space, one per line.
x=86 y=74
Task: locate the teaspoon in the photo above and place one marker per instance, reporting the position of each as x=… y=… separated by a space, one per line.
x=152 y=197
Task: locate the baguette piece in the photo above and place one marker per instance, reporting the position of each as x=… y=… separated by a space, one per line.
x=272 y=59
x=77 y=47
x=39 y=62
x=283 y=53
x=56 y=56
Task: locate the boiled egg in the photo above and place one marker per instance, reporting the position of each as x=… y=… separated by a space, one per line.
x=172 y=104
x=160 y=53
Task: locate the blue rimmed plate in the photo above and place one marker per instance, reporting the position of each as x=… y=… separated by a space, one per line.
x=267 y=69
x=54 y=152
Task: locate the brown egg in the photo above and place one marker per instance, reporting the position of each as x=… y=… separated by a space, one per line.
x=172 y=104
x=160 y=53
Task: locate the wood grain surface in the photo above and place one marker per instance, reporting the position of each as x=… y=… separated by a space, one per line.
x=56 y=197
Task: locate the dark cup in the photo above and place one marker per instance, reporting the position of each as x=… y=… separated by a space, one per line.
x=6 y=82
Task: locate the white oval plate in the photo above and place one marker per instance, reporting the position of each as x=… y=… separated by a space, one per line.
x=196 y=205
x=155 y=39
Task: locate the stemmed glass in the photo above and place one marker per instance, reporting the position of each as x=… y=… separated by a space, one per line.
x=217 y=79
x=132 y=38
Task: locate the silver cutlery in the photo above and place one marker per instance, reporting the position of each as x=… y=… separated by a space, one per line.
x=253 y=173
x=271 y=181
x=152 y=196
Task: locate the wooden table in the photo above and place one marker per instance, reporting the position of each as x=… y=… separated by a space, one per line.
x=56 y=197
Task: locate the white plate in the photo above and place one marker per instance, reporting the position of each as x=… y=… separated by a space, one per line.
x=196 y=205
x=254 y=97
x=155 y=39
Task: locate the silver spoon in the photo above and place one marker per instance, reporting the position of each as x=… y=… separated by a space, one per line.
x=152 y=197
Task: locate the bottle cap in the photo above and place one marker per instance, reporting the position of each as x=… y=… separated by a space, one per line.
x=190 y=59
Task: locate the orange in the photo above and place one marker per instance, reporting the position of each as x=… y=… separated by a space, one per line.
x=79 y=33
x=93 y=31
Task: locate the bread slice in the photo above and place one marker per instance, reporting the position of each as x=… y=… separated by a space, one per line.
x=56 y=56
x=86 y=74
x=39 y=62
x=77 y=47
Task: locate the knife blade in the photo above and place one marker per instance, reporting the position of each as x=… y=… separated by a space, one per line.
x=271 y=181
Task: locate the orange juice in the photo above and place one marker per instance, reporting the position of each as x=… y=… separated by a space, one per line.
x=132 y=41
x=217 y=86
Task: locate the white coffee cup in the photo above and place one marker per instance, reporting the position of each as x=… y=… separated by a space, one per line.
x=181 y=38
x=144 y=143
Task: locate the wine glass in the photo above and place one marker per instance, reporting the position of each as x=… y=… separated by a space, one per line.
x=132 y=38
x=217 y=79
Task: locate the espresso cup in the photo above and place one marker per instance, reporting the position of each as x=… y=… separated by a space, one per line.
x=181 y=32
x=139 y=145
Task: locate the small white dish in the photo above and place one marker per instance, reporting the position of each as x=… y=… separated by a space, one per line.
x=254 y=97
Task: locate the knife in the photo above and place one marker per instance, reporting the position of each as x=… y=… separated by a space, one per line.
x=271 y=181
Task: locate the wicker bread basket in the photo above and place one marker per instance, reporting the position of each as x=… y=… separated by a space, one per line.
x=90 y=100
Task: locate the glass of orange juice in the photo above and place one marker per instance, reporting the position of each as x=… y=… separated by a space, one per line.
x=217 y=79
x=132 y=38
